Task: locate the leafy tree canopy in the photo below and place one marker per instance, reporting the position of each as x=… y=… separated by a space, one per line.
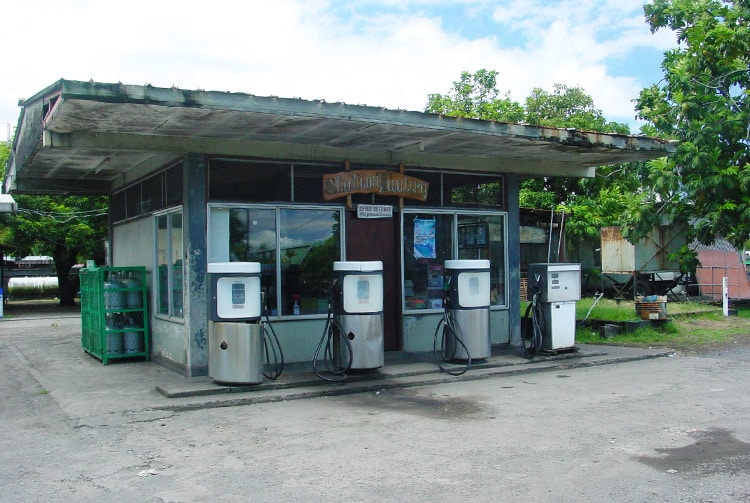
x=475 y=96
x=568 y=107
x=703 y=102
x=593 y=202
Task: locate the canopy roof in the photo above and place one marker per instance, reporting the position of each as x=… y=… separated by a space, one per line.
x=90 y=137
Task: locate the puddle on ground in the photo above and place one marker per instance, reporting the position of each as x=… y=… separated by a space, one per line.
x=714 y=452
x=433 y=406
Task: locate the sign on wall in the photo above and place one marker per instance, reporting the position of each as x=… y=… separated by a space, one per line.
x=374 y=211
x=371 y=181
x=424 y=238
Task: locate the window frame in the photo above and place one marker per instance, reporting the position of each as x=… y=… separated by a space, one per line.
x=455 y=213
x=278 y=208
x=171 y=281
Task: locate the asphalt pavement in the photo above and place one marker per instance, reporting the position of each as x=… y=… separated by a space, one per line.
x=604 y=423
x=45 y=339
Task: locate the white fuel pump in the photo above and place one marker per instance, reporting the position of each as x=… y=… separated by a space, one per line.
x=553 y=290
x=466 y=319
x=236 y=341
x=353 y=336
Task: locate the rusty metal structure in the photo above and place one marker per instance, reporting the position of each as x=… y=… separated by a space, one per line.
x=717 y=261
x=646 y=268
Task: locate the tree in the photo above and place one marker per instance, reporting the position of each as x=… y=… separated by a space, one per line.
x=475 y=96
x=568 y=107
x=593 y=203
x=4 y=229
x=70 y=229
x=702 y=101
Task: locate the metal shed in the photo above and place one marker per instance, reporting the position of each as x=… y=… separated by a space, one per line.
x=646 y=267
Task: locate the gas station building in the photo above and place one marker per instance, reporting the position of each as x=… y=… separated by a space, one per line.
x=196 y=177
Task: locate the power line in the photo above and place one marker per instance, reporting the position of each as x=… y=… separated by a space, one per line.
x=65 y=217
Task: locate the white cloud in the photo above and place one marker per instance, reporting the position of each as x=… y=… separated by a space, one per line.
x=390 y=54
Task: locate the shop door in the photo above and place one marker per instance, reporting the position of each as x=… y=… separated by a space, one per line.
x=375 y=239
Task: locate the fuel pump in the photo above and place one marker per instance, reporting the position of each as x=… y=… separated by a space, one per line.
x=352 y=338
x=553 y=290
x=465 y=326
x=237 y=338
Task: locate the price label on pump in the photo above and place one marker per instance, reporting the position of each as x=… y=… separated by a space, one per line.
x=363 y=290
x=238 y=295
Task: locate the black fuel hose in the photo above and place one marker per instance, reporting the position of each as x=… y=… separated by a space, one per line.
x=272 y=347
x=531 y=343
x=331 y=331
x=448 y=325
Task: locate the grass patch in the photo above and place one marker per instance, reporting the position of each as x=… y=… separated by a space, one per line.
x=692 y=326
x=608 y=309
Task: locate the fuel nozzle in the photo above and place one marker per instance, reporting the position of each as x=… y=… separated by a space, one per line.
x=334 y=293
x=537 y=289
x=447 y=300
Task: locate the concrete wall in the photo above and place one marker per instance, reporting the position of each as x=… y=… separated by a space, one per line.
x=419 y=331
x=133 y=246
x=299 y=338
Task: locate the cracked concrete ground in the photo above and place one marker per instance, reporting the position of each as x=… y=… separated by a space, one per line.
x=671 y=428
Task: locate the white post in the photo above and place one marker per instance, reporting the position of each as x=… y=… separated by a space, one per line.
x=725 y=295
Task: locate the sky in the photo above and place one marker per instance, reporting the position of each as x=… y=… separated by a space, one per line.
x=385 y=53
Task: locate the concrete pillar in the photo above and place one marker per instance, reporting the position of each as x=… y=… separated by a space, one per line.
x=195 y=198
x=512 y=185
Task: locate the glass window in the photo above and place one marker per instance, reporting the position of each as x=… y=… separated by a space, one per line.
x=252 y=238
x=474 y=191
x=243 y=181
x=117 y=206
x=428 y=243
x=133 y=201
x=431 y=238
x=175 y=227
x=162 y=263
x=152 y=194
x=169 y=264
x=295 y=246
x=460 y=190
x=483 y=237
x=309 y=244
x=173 y=185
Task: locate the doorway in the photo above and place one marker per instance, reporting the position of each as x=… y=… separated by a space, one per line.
x=375 y=239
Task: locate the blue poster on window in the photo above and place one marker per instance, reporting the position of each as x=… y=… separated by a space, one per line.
x=424 y=238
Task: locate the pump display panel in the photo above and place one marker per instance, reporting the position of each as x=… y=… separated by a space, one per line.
x=234 y=297
x=474 y=289
x=363 y=293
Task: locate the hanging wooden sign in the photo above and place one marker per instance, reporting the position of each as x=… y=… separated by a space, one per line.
x=374 y=181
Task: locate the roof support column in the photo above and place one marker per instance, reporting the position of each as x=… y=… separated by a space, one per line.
x=512 y=186
x=194 y=190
